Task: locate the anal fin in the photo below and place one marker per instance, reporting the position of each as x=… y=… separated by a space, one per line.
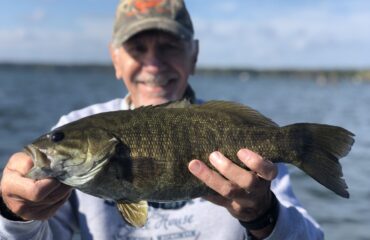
x=135 y=214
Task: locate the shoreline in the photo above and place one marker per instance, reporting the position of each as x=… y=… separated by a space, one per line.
x=324 y=74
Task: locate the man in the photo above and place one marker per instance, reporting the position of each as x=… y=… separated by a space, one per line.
x=154 y=52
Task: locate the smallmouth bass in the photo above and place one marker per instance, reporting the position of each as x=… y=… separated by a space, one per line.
x=135 y=156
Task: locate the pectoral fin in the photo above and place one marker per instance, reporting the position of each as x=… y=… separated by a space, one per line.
x=135 y=214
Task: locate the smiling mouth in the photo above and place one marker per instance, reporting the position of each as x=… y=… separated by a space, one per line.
x=156 y=80
x=157 y=83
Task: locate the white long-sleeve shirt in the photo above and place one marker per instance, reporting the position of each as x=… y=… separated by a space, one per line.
x=99 y=219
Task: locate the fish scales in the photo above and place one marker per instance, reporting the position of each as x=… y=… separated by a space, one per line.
x=162 y=144
x=143 y=154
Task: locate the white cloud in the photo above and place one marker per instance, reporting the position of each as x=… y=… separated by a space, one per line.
x=87 y=41
x=96 y=28
x=309 y=37
x=225 y=7
x=36 y=15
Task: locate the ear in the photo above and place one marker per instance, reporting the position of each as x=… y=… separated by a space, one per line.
x=115 y=55
x=194 y=57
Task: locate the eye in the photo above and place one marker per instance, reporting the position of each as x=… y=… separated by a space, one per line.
x=140 y=48
x=135 y=49
x=171 y=48
x=56 y=136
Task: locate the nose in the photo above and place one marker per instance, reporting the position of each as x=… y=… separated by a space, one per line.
x=152 y=61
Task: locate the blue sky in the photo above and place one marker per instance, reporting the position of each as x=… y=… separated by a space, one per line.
x=242 y=33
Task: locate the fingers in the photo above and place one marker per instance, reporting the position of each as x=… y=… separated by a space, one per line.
x=42 y=211
x=55 y=196
x=264 y=168
x=211 y=178
x=18 y=185
x=215 y=181
x=217 y=199
x=20 y=162
x=28 y=198
x=231 y=171
x=244 y=193
x=232 y=181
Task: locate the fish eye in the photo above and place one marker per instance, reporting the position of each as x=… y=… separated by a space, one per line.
x=56 y=136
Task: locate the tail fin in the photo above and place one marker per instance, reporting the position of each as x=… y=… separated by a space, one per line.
x=318 y=150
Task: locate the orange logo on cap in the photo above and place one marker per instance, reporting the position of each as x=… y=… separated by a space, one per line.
x=145 y=5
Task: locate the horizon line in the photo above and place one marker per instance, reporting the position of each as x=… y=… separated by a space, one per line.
x=199 y=67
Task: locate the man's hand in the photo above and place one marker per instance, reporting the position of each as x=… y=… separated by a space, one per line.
x=245 y=194
x=27 y=198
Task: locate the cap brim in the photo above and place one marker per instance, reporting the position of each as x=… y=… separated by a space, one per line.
x=162 y=24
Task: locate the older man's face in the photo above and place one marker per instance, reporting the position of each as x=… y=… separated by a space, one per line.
x=155 y=66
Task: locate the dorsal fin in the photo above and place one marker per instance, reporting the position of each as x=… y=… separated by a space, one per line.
x=246 y=115
x=241 y=113
x=183 y=103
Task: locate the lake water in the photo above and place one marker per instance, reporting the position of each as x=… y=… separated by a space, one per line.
x=32 y=99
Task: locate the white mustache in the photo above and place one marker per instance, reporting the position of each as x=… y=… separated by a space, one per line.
x=155 y=80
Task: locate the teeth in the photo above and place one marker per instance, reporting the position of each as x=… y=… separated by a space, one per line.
x=50 y=158
x=36 y=154
x=153 y=81
x=44 y=154
x=43 y=151
x=157 y=83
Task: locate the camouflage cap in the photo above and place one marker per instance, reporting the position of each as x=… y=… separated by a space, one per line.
x=134 y=16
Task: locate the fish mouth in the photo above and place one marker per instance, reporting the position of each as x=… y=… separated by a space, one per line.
x=36 y=154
